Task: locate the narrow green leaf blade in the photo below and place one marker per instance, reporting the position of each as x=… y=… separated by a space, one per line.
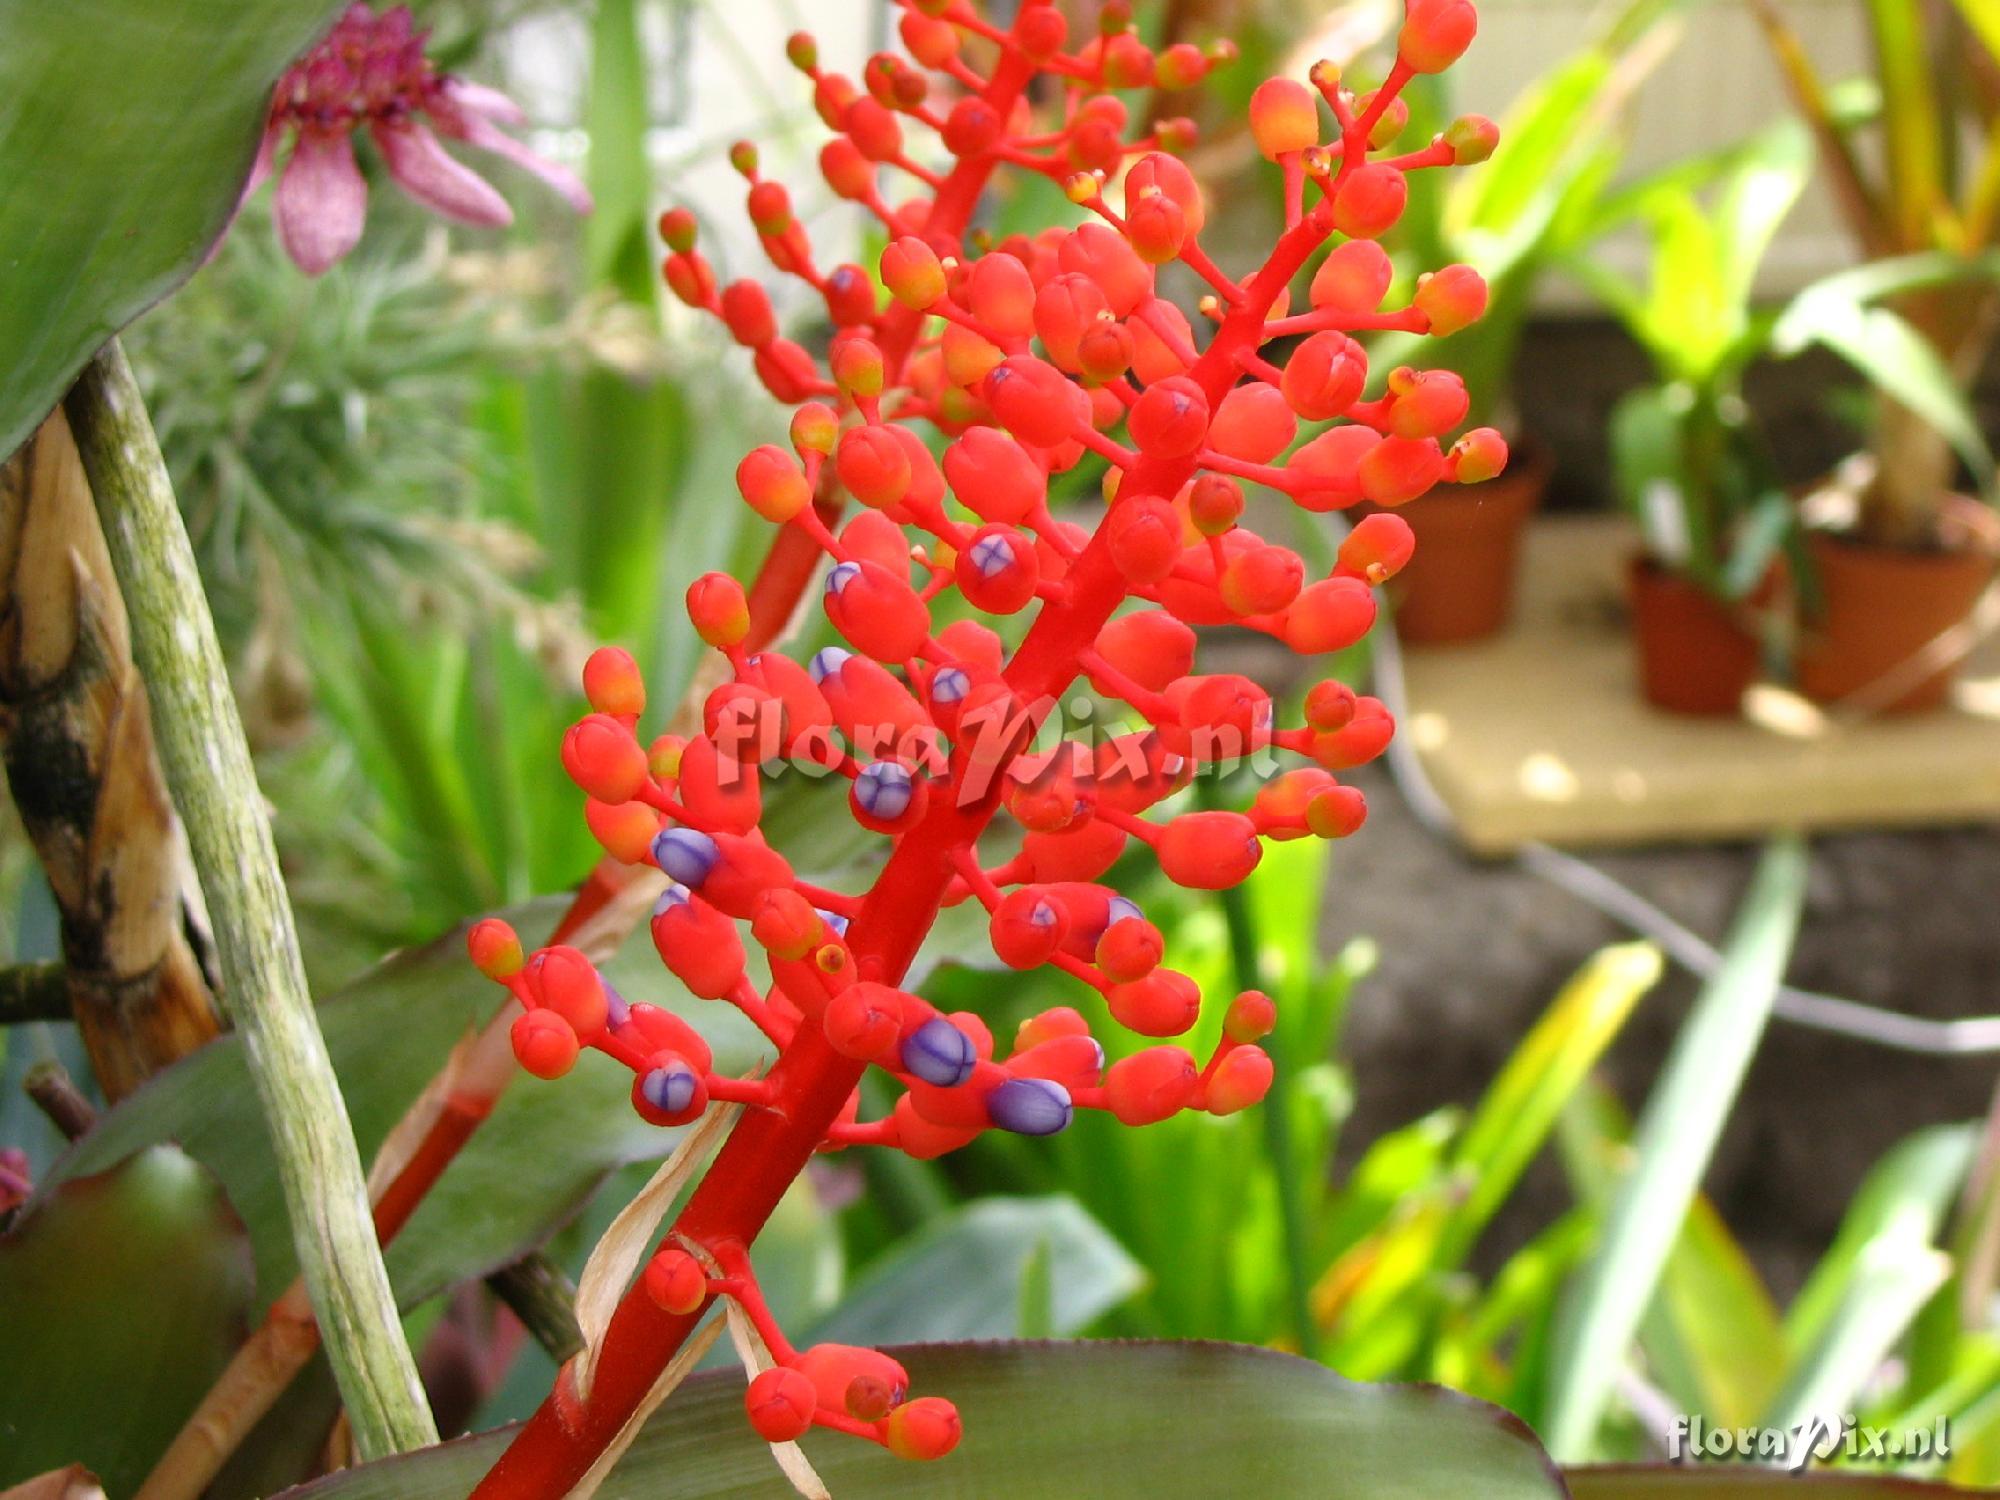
x=1677 y=1135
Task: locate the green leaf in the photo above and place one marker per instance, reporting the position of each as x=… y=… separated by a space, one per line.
x=1842 y=313
x=126 y=132
x=122 y=1296
x=1522 y=1104
x=1904 y=1199
x=529 y=1168
x=1726 y=1482
x=1057 y=1421
x=1683 y=1120
x=968 y=1275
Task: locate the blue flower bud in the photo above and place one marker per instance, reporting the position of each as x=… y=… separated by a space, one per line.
x=1030 y=1106
x=939 y=1053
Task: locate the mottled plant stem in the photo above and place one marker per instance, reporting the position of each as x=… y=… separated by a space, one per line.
x=538 y=1293
x=56 y=1095
x=33 y=992
x=207 y=761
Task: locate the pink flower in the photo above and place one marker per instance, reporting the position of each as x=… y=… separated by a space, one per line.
x=370 y=70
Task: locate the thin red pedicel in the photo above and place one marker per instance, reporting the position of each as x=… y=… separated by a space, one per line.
x=1026 y=356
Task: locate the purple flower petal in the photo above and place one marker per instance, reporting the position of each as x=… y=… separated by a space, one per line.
x=486 y=136
x=423 y=169
x=321 y=201
x=476 y=98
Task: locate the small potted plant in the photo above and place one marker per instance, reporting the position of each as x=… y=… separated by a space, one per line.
x=1687 y=459
x=1900 y=554
x=1512 y=220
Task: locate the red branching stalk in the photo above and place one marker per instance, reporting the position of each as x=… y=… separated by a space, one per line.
x=933 y=731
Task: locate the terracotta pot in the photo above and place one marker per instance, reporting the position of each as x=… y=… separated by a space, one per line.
x=1883 y=606
x=1459 y=586
x=1696 y=656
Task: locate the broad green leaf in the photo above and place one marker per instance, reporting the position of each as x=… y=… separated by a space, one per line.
x=968 y=1275
x=1738 y=1482
x=122 y=1296
x=1683 y=1120
x=1130 y=1421
x=527 y=1169
x=126 y=133
x=1883 y=346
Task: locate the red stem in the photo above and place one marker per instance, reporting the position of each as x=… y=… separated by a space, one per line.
x=769 y=1147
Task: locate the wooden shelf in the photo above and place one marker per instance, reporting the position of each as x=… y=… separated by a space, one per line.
x=1540 y=733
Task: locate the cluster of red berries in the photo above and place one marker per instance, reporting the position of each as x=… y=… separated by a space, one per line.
x=1028 y=357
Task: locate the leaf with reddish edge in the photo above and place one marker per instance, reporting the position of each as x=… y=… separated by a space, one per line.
x=122 y=1296
x=1115 y=1421
x=1719 y=1482
x=116 y=174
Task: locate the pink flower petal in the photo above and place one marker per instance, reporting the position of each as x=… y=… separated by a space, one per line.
x=321 y=201
x=420 y=164
x=478 y=99
x=478 y=132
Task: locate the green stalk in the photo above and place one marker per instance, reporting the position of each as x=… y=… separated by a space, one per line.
x=207 y=761
x=1245 y=959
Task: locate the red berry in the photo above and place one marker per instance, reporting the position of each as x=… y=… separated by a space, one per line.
x=1369 y=200
x=1426 y=403
x=1150 y=1086
x=1032 y=401
x=495 y=948
x=1353 y=279
x=1101 y=253
x=1242 y=1079
x=912 y=272
x=1158 y=172
x=1284 y=117
x=719 y=610
x=1261 y=580
x=1209 y=851
x=1324 y=376
x=997 y=570
x=603 y=758
x=1254 y=423
x=1149 y=646
x=1164 y=1003
x=772 y=483
x=1067 y=307
x=1250 y=1018
x=612 y=682
x=571 y=988
x=1397 y=470
x=1130 y=950
x=994 y=477
x=1001 y=294
x=1170 y=419
x=625 y=829
x=699 y=945
x=1329 y=615
x=746 y=310
x=873 y=465
x=1480 y=455
x=1436 y=33
x=1336 y=812
x=1451 y=298
x=926 y=1428
x=544 y=1043
x=675 y=1281
x=1145 y=538
x=1378 y=547
x=780 y=1402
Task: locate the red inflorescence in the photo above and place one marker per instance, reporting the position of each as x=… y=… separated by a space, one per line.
x=1025 y=356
